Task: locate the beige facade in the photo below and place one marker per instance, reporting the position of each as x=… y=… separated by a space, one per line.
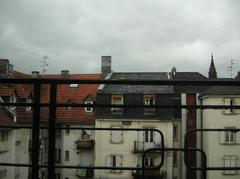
x=116 y=148
x=222 y=148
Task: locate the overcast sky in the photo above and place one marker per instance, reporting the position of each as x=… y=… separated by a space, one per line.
x=149 y=35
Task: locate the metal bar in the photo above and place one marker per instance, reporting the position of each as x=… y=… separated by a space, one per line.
x=127 y=106
x=205 y=130
x=229 y=82
x=35 y=131
x=51 y=131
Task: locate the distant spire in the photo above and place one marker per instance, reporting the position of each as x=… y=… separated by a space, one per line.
x=212 y=73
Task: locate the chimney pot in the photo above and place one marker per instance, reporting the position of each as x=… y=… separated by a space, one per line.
x=35 y=74
x=65 y=73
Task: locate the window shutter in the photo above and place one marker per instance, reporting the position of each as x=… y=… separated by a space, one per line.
x=108 y=162
x=233 y=164
x=222 y=137
x=118 y=163
x=116 y=136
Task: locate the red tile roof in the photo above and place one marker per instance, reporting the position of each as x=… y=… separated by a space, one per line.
x=64 y=93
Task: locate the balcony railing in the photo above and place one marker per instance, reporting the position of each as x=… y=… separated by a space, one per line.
x=141 y=146
x=84 y=144
x=35 y=166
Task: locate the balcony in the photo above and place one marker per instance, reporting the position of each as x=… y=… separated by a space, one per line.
x=141 y=146
x=85 y=144
x=85 y=173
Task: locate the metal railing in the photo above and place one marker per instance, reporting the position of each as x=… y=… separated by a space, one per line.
x=53 y=105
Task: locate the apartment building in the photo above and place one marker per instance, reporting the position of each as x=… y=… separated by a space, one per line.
x=222 y=148
x=125 y=148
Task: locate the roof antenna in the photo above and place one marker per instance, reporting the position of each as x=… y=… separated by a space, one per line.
x=230 y=68
x=44 y=65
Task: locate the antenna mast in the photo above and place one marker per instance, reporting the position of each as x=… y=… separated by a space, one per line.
x=230 y=68
x=44 y=65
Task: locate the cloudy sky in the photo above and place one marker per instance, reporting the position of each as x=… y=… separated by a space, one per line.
x=140 y=35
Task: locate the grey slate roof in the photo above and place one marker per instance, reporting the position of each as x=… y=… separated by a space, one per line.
x=222 y=90
x=151 y=89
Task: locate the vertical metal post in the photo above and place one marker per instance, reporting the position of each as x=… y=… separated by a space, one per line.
x=35 y=131
x=51 y=131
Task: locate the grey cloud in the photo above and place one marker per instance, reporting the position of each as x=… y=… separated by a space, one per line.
x=140 y=35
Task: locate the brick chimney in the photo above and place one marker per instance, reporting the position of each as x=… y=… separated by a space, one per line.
x=106 y=66
x=65 y=73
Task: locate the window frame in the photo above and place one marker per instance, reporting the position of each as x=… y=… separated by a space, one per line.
x=147 y=101
x=88 y=109
x=232 y=162
x=116 y=110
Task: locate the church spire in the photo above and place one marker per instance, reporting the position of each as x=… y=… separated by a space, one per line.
x=212 y=73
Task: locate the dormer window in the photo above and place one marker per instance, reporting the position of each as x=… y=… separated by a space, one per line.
x=117 y=100
x=149 y=100
x=73 y=85
x=88 y=109
x=88 y=100
x=28 y=100
x=12 y=99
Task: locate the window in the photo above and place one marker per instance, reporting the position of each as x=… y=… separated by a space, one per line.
x=88 y=109
x=66 y=155
x=58 y=155
x=12 y=99
x=231 y=102
x=28 y=100
x=17 y=142
x=86 y=134
x=228 y=137
x=149 y=100
x=175 y=133
x=73 y=85
x=114 y=161
x=4 y=135
x=149 y=161
x=3 y=173
x=117 y=100
x=148 y=135
x=230 y=161
x=116 y=136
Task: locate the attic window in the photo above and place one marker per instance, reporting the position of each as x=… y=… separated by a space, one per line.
x=88 y=109
x=73 y=85
x=117 y=100
x=149 y=100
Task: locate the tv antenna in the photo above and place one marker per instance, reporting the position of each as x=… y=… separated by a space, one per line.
x=230 y=68
x=44 y=65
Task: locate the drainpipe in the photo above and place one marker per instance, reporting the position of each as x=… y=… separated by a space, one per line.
x=201 y=125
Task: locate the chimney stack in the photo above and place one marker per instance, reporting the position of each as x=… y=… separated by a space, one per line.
x=106 y=66
x=35 y=74
x=65 y=73
x=4 y=67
